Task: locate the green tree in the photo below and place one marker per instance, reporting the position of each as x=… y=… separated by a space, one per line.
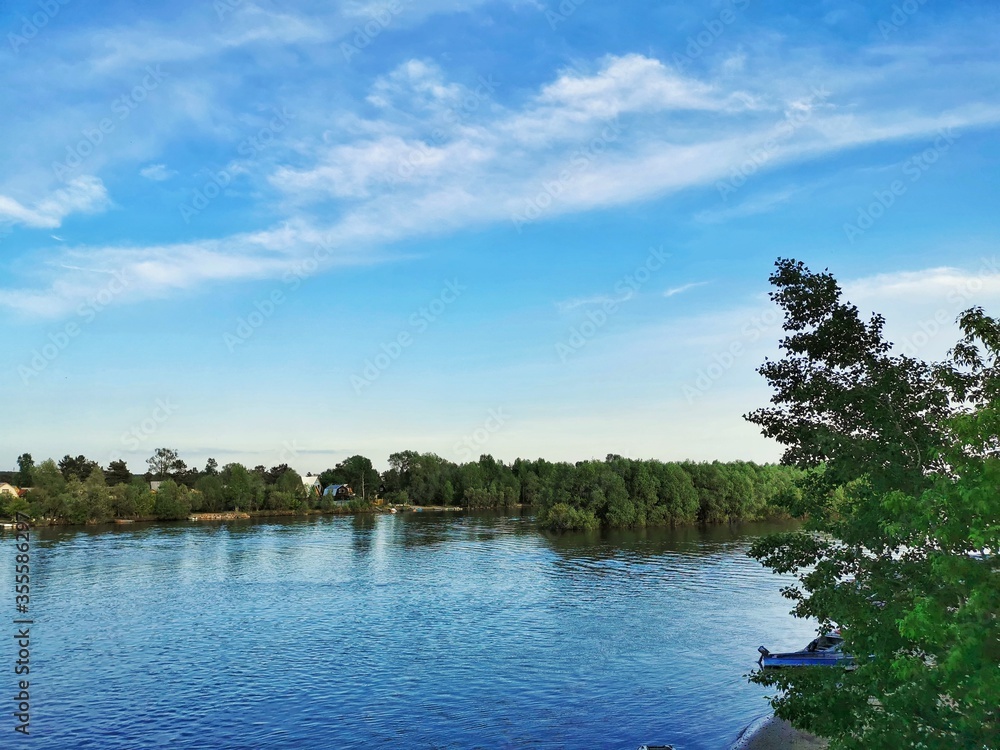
x=48 y=490
x=358 y=472
x=118 y=473
x=172 y=501
x=243 y=489
x=78 y=468
x=165 y=463
x=25 y=465
x=213 y=495
x=287 y=492
x=903 y=527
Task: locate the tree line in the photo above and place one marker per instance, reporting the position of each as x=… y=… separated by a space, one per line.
x=616 y=492
x=78 y=490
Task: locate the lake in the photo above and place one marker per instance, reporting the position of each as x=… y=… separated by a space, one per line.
x=418 y=630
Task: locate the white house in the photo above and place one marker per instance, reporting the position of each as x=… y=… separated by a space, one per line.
x=8 y=489
x=312 y=485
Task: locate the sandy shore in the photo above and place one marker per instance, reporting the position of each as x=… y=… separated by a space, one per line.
x=771 y=733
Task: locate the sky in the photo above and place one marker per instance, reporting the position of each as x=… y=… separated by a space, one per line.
x=293 y=232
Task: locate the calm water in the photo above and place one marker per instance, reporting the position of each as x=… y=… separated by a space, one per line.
x=415 y=631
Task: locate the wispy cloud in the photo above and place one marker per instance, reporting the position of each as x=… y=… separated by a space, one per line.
x=673 y=291
x=754 y=205
x=598 y=300
x=157 y=172
x=623 y=129
x=85 y=194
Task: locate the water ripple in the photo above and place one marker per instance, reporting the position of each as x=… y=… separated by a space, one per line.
x=418 y=631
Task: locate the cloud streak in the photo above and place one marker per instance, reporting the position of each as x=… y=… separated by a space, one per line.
x=672 y=292
x=629 y=128
x=85 y=194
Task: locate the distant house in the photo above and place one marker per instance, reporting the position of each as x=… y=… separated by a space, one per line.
x=154 y=486
x=339 y=492
x=312 y=485
x=8 y=489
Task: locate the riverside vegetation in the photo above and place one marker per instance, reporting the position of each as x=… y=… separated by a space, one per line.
x=617 y=492
x=901 y=496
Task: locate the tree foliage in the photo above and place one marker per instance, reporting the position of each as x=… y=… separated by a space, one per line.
x=617 y=492
x=903 y=523
x=25 y=465
x=118 y=473
x=76 y=468
x=165 y=463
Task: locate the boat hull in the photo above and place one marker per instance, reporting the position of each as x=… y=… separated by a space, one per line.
x=825 y=651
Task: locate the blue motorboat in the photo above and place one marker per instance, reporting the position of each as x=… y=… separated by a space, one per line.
x=825 y=651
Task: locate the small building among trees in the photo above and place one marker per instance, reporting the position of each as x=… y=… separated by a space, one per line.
x=339 y=492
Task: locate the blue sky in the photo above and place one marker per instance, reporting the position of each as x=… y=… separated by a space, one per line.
x=291 y=232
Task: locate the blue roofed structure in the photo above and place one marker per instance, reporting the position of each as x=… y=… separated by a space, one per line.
x=339 y=492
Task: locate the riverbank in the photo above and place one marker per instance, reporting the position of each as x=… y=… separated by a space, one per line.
x=340 y=510
x=772 y=733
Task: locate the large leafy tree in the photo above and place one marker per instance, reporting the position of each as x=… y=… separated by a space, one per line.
x=118 y=473
x=244 y=489
x=25 y=465
x=165 y=463
x=902 y=501
x=76 y=468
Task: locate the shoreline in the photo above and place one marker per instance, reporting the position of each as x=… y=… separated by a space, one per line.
x=371 y=510
x=768 y=732
x=231 y=515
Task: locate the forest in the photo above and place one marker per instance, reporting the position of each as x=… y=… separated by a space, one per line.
x=614 y=493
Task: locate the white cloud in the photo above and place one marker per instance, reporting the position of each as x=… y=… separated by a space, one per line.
x=631 y=83
x=585 y=141
x=84 y=194
x=442 y=156
x=78 y=274
x=157 y=172
x=673 y=291
x=418 y=83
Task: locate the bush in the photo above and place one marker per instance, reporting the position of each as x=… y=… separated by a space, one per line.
x=562 y=517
